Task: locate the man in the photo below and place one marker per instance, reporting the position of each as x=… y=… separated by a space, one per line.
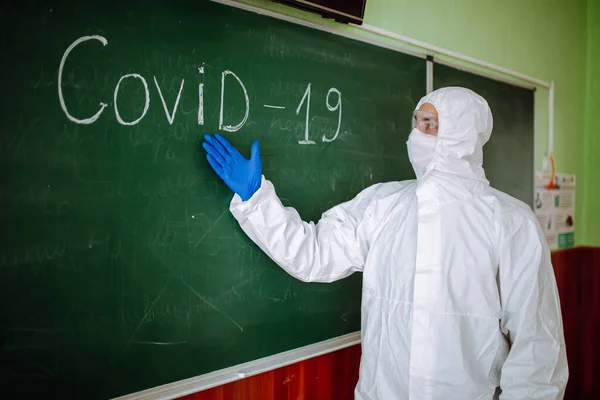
x=459 y=296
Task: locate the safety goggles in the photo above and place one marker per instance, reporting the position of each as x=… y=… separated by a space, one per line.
x=424 y=121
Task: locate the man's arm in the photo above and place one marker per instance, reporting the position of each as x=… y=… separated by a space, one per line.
x=536 y=366
x=329 y=250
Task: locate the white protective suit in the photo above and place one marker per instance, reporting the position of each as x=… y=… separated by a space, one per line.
x=459 y=295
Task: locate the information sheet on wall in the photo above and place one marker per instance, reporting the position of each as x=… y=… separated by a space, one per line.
x=555 y=208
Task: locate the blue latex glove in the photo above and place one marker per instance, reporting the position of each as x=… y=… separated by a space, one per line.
x=241 y=175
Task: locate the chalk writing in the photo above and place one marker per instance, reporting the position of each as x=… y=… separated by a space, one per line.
x=337 y=107
x=171 y=115
x=231 y=128
x=32 y=254
x=60 y=74
x=225 y=123
x=146 y=104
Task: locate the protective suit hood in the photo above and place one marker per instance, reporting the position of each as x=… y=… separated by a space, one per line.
x=465 y=126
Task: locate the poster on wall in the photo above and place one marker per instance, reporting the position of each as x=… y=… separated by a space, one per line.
x=555 y=209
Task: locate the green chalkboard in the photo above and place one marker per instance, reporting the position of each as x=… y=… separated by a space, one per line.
x=508 y=158
x=121 y=267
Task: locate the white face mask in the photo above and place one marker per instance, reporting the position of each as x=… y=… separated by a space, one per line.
x=420 y=150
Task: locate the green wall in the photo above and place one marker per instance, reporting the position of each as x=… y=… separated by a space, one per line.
x=590 y=145
x=545 y=39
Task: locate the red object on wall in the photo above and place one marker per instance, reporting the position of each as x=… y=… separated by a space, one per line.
x=333 y=376
x=578 y=276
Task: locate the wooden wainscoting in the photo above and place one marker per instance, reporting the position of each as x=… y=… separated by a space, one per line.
x=578 y=276
x=330 y=376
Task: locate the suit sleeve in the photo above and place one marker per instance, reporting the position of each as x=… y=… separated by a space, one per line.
x=536 y=366
x=333 y=248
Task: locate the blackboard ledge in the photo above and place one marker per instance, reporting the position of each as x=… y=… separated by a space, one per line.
x=240 y=371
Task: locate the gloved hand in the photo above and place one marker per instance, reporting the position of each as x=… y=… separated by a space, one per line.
x=241 y=175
